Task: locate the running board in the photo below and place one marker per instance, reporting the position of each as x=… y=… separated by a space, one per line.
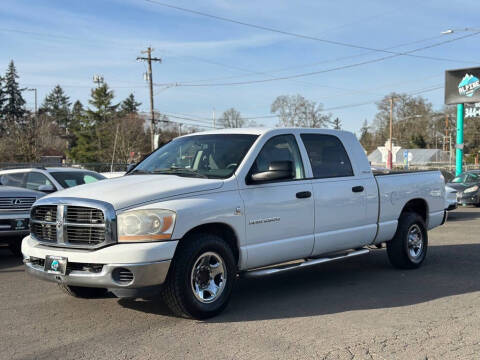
x=307 y=263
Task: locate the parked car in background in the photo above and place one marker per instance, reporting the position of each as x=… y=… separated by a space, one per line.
x=467 y=185
x=450 y=198
x=48 y=180
x=15 y=204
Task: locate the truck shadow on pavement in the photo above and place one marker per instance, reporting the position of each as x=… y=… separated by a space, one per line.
x=454 y=216
x=367 y=282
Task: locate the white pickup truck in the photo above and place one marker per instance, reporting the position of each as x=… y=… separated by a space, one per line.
x=207 y=207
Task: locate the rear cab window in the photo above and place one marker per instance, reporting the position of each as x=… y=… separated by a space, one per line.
x=327 y=156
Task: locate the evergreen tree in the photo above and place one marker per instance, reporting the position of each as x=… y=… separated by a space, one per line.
x=129 y=105
x=101 y=100
x=57 y=105
x=78 y=112
x=366 y=138
x=3 y=97
x=337 y=124
x=14 y=103
x=85 y=149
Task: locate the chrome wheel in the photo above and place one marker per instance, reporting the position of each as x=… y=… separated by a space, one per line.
x=415 y=242
x=208 y=277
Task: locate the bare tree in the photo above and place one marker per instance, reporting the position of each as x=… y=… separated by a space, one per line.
x=231 y=118
x=296 y=111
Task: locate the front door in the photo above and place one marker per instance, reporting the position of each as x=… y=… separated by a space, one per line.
x=279 y=215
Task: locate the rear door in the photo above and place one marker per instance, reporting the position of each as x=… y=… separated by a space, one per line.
x=279 y=215
x=343 y=219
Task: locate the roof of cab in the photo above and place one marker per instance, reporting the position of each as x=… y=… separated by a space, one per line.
x=263 y=130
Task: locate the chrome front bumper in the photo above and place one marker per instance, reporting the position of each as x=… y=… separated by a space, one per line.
x=144 y=275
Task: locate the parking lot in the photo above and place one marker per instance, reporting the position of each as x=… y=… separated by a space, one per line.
x=358 y=309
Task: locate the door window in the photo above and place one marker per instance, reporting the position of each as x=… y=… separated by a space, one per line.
x=35 y=180
x=280 y=148
x=15 y=179
x=327 y=156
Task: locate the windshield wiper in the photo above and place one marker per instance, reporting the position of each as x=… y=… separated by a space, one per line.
x=180 y=172
x=138 y=171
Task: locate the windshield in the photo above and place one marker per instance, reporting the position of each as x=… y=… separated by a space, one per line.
x=69 y=179
x=207 y=156
x=467 y=178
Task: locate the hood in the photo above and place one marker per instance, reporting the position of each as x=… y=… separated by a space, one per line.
x=11 y=191
x=131 y=190
x=460 y=186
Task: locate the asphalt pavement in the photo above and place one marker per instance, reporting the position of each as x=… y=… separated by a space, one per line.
x=361 y=308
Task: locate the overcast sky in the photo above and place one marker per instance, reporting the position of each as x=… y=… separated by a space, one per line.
x=66 y=42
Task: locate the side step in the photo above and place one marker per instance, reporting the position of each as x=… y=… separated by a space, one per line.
x=307 y=263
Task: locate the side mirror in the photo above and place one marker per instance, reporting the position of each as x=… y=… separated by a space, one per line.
x=277 y=170
x=47 y=188
x=130 y=167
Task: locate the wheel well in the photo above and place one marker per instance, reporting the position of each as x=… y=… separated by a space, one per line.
x=418 y=206
x=221 y=230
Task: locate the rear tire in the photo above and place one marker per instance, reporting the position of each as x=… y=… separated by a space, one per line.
x=83 y=292
x=408 y=248
x=201 y=277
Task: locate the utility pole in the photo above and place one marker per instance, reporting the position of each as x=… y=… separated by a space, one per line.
x=390 y=146
x=213 y=118
x=446 y=132
x=149 y=60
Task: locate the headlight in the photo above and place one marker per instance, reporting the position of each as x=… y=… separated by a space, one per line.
x=145 y=225
x=471 y=189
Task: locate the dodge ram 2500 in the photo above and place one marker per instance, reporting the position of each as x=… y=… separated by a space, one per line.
x=207 y=207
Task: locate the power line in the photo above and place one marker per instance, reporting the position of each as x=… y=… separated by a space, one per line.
x=343 y=67
x=268 y=72
x=288 y=33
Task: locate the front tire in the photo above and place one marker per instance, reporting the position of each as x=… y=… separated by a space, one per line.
x=408 y=248
x=201 y=277
x=83 y=292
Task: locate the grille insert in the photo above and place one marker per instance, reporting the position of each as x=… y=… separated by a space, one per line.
x=84 y=215
x=85 y=235
x=44 y=213
x=44 y=232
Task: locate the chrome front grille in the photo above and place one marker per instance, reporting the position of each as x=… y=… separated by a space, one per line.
x=90 y=224
x=16 y=203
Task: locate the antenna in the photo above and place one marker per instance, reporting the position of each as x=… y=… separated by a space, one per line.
x=98 y=79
